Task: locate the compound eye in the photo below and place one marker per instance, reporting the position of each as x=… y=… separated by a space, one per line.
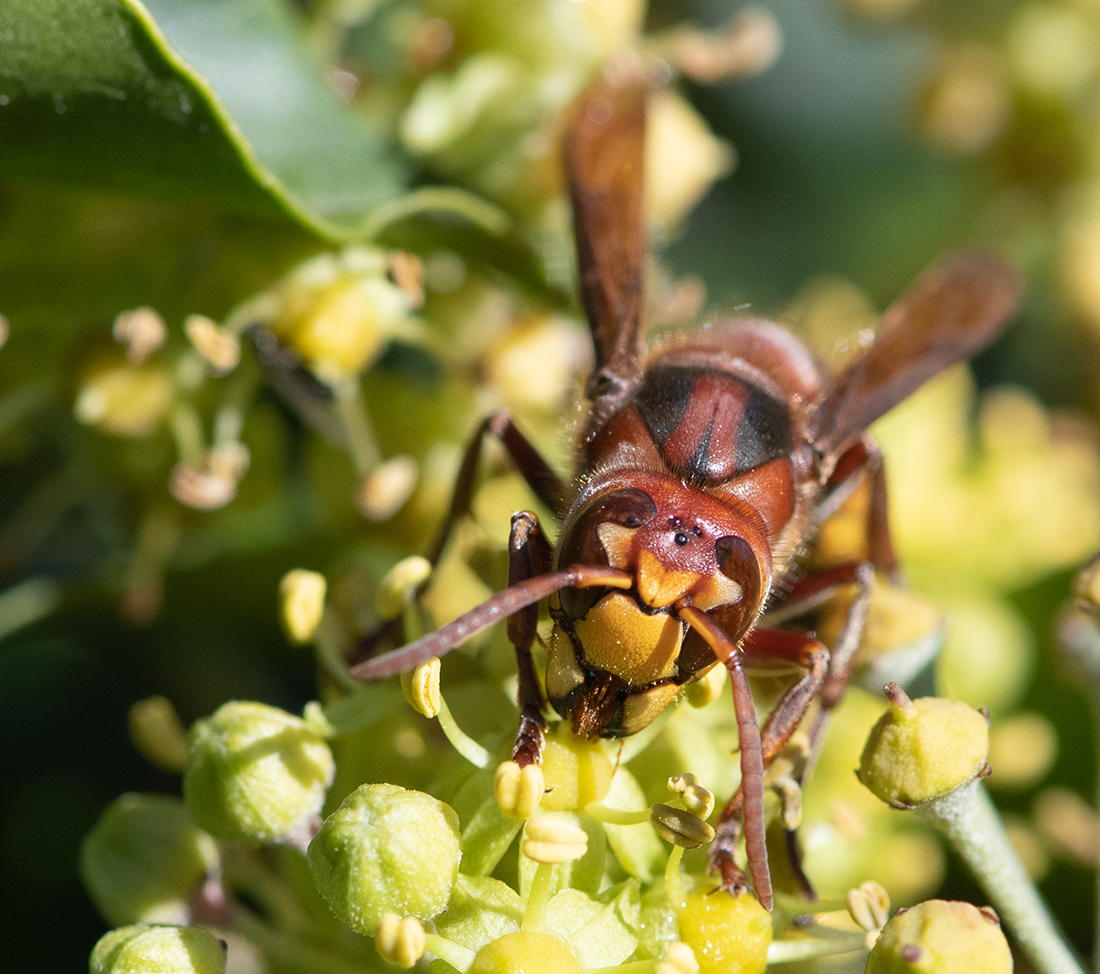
x=629 y=507
x=581 y=545
x=739 y=562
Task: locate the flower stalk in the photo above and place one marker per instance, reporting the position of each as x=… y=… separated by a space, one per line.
x=967 y=817
x=1079 y=637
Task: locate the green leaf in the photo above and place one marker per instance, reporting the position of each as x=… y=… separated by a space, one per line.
x=480 y=910
x=592 y=930
x=207 y=99
x=486 y=838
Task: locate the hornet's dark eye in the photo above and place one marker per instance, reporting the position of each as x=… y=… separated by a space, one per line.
x=630 y=507
x=580 y=542
x=738 y=561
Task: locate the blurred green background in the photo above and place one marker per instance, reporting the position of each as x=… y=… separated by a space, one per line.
x=850 y=167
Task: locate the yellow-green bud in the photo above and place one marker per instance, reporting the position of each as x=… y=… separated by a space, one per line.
x=943 y=937
x=729 y=935
x=158 y=950
x=386 y=850
x=256 y=773
x=923 y=748
x=144 y=858
x=525 y=952
x=301 y=603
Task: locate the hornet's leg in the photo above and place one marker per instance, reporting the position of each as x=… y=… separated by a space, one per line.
x=544 y=483
x=769 y=645
x=859 y=470
x=529 y=554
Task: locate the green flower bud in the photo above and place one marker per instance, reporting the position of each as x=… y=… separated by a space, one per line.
x=256 y=773
x=944 y=937
x=144 y=858
x=923 y=748
x=386 y=850
x=525 y=952
x=158 y=950
x=729 y=935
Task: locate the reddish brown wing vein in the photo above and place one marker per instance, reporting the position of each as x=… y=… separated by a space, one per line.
x=752 y=754
x=500 y=606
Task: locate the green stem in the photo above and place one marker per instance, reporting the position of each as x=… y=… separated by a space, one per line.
x=971 y=823
x=460 y=740
x=329 y=641
x=187 y=430
x=616 y=816
x=534 y=917
x=353 y=417
x=245 y=871
x=237 y=398
x=447 y=950
x=443 y=199
x=367 y=704
x=791 y=951
x=1080 y=638
x=673 y=883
